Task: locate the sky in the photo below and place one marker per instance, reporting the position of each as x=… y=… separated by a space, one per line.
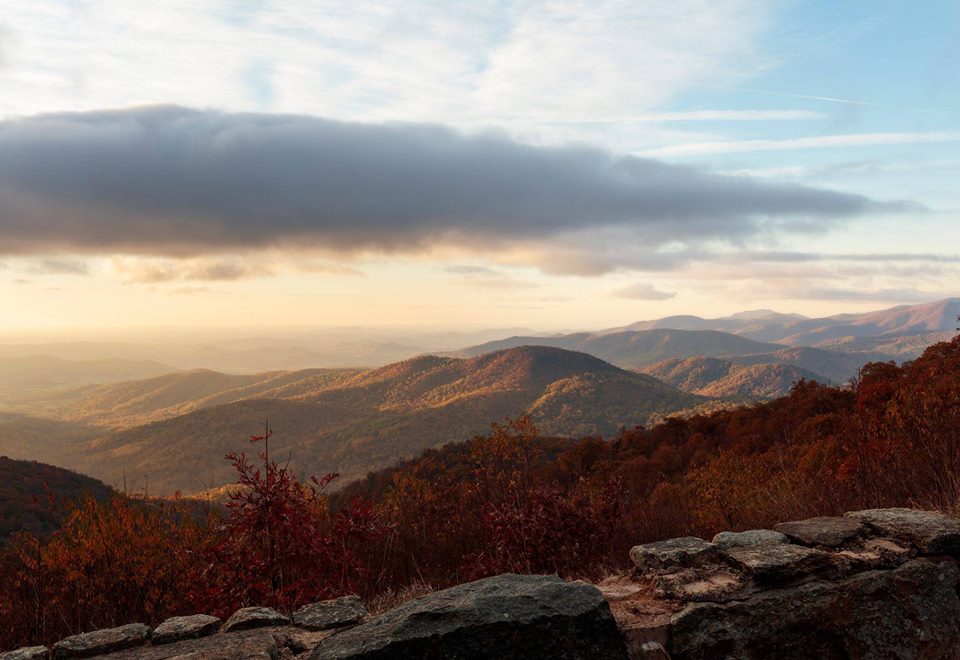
x=553 y=164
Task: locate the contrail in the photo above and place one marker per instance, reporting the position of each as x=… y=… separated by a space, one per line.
x=829 y=99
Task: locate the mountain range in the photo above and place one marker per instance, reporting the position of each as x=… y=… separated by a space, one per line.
x=167 y=430
x=349 y=422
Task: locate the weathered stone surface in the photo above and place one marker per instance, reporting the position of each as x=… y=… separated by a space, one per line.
x=256 y=644
x=185 y=627
x=830 y=531
x=931 y=532
x=254 y=617
x=330 y=613
x=27 y=653
x=686 y=551
x=909 y=612
x=100 y=642
x=780 y=562
x=650 y=651
x=507 y=616
x=748 y=538
x=691 y=584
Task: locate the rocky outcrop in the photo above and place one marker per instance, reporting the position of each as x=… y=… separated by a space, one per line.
x=178 y=628
x=880 y=583
x=871 y=584
x=507 y=616
x=254 y=617
x=101 y=642
x=330 y=613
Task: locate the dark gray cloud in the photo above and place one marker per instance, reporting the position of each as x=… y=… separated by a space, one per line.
x=179 y=182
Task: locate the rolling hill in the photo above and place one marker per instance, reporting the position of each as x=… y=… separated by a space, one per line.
x=35 y=496
x=377 y=417
x=718 y=378
x=142 y=401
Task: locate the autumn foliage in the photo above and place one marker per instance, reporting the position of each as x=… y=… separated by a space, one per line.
x=507 y=501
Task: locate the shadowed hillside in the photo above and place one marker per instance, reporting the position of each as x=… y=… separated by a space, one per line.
x=35 y=496
x=377 y=417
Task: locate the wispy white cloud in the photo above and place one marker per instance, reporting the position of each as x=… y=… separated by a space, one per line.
x=641 y=291
x=818 y=142
x=832 y=99
x=699 y=115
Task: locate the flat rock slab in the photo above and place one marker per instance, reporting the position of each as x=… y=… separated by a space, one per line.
x=27 y=653
x=330 y=613
x=246 y=644
x=254 y=617
x=909 y=612
x=779 y=563
x=749 y=538
x=687 y=551
x=100 y=642
x=507 y=617
x=185 y=627
x=830 y=531
x=930 y=532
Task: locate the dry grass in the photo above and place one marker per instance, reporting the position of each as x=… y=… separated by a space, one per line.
x=394 y=597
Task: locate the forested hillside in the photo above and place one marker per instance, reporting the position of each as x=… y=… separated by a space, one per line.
x=348 y=424
x=34 y=497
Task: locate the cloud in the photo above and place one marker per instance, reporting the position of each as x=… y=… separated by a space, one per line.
x=471 y=270
x=818 y=142
x=148 y=271
x=486 y=277
x=189 y=290
x=170 y=181
x=894 y=295
x=641 y=291
x=60 y=267
x=699 y=115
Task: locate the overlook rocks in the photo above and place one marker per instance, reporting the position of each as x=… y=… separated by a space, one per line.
x=507 y=616
x=881 y=583
x=871 y=584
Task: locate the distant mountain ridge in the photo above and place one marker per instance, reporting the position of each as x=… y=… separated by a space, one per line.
x=633 y=349
x=791 y=329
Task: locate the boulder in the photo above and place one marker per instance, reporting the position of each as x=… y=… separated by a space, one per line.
x=684 y=552
x=330 y=613
x=780 y=562
x=910 y=612
x=185 y=627
x=254 y=617
x=830 y=531
x=100 y=642
x=508 y=617
x=27 y=653
x=930 y=532
x=748 y=538
x=247 y=644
